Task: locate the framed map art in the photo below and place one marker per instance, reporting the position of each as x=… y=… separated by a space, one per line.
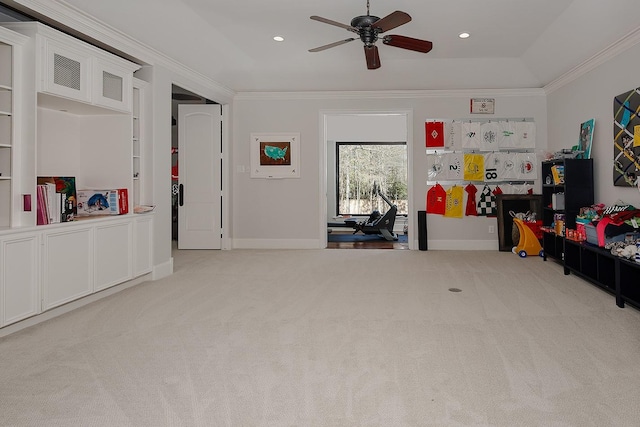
x=275 y=155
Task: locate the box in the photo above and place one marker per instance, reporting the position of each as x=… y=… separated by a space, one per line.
x=592 y=236
x=557 y=201
x=103 y=202
x=591 y=233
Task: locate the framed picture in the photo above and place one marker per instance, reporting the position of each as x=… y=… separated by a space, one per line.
x=586 y=138
x=275 y=155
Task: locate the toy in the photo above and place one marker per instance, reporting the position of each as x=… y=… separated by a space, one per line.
x=529 y=243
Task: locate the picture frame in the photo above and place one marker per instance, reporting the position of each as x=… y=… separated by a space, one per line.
x=586 y=138
x=275 y=155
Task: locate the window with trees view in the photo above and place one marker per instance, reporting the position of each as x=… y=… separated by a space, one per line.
x=363 y=166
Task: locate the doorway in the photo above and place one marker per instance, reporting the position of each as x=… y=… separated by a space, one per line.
x=196 y=171
x=375 y=129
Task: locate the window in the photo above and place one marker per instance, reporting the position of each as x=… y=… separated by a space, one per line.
x=361 y=168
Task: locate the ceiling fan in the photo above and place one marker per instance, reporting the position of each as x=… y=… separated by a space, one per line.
x=369 y=27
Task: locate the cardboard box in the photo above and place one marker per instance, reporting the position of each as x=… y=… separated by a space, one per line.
x=103 y=202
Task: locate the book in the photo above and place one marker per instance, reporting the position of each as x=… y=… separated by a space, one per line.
x=56 y=199
x=557 y=172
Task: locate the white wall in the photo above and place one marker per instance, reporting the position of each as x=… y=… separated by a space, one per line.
x=591 y=96
x=162 y=79
x=287 y=213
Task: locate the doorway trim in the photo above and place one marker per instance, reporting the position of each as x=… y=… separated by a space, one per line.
x=323 y=122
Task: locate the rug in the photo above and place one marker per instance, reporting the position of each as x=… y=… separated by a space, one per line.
x=345 y=237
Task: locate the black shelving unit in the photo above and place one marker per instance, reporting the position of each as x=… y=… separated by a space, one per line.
x=615 y=275
x=578 y=189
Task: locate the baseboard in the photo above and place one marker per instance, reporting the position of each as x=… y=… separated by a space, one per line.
x=277 y=244
x=461 y=245
x=162 y=270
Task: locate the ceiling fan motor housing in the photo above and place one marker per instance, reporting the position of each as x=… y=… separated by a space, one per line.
x=363 y=23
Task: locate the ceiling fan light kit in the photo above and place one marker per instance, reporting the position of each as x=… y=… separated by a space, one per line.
x=369 y=27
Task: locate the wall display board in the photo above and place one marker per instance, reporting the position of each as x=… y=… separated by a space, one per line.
x=485 y=157
x=626 y=138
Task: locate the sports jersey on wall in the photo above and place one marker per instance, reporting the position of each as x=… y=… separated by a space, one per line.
x=455 y=197
x=436 y=200
x=471 y=208
x=486 y=202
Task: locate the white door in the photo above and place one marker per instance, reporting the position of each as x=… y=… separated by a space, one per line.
x=200 y=180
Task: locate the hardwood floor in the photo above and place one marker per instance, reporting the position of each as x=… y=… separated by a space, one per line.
x=376 y=244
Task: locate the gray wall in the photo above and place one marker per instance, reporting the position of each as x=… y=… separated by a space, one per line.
x=591 y=96
x=288 y=213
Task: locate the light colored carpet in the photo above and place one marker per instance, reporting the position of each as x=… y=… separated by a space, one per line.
x=333 y=338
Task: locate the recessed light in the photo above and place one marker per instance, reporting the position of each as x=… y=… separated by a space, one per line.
x=464 y=35
x=279 y=38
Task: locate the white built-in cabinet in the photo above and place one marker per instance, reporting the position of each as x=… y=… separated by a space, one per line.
x=80 y=72
x=67 y=270
x=45 y=267
x=113 y=254
x=142 y=245
x=68 y=108
x=19 y=277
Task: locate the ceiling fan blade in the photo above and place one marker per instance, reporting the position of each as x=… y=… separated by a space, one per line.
x=337 y=24
x=391 y=21
x=330 y=45
x=373 y=59
x=410 y=43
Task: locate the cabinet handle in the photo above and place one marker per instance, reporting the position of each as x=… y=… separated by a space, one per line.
x=181 y=194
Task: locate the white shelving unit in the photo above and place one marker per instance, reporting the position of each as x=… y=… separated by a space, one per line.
x=136 y=143
x=10 y=54
x=66 y=110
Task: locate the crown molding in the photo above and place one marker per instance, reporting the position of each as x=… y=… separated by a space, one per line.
x=76 y=21
x=625 y=43
x=403 y=94
x=13 y=37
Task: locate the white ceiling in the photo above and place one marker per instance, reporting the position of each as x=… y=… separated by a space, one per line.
x=513 y=43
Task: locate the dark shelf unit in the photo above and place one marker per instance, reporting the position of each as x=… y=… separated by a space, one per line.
x=578 y=189
x=617 y=276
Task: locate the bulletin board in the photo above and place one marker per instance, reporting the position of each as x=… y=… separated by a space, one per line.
x=626 y=138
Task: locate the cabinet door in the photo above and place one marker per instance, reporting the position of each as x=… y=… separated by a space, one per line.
x=19 y=272
x=143 y=245
x=113 y=254
x=67 y=266
x=66 y=71
x=112 y=86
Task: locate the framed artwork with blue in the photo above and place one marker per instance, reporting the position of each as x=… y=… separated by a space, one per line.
x=275 y=155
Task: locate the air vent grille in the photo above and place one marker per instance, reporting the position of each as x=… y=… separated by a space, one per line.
x=66 y=72
x=111 y=86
